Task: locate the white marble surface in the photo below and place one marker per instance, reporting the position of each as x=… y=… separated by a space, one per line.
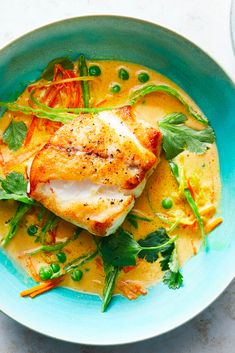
x=206 y=22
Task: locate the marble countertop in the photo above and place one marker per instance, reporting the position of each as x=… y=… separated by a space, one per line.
x=205 y=22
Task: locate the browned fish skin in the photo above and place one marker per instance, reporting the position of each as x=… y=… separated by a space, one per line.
x=112 y=150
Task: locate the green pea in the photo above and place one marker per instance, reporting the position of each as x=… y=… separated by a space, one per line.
x=61 y=256
x=94 y=70
x=32 y=229
x=77 y=275
x=45 y=273
x=167 y=203
x=123 y=74
x=143 y=77
x=115 y=88
x=55 y=267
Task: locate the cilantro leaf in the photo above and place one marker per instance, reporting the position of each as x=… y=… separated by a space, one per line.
x=173 y=280
x=133 y=218
x=48 y=73
x=14 y=134
x=121 y=249
x=172 y=277
x=14 y=187
x=15 y=183
x=177 y=137
x=156 y=238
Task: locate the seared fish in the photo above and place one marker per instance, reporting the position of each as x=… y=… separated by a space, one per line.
x=93 y=168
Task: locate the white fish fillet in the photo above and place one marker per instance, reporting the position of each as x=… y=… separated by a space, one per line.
x=93 y=168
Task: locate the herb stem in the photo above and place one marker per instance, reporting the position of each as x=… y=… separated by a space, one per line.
x=170 y=241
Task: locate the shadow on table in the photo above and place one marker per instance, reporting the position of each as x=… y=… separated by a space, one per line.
x=211 y=331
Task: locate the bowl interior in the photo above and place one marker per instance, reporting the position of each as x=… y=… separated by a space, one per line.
x=77 y=317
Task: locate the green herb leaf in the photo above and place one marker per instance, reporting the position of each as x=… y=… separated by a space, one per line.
x=15 y=183
x=14 y=187
x=147 y=89
x=173 y=280
x=177 y=137
x=14 y=134
x=48 y=73
x=154 y=239
x=119 y=249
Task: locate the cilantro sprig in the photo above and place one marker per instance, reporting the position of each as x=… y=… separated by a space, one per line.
x=177 y=136
x=14 y=187
x=121 y=249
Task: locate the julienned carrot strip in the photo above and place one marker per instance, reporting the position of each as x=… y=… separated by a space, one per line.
x=191 y=189
x=43 y=290
x=40 y=288
x=30 y=132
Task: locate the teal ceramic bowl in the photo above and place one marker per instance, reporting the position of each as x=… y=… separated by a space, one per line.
x=77 y=317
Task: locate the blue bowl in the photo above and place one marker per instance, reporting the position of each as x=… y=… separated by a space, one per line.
x=77 y=317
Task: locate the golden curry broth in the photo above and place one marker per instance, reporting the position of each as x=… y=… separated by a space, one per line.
x=203 y=171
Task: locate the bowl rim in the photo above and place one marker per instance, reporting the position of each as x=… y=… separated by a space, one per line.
x=230 y=78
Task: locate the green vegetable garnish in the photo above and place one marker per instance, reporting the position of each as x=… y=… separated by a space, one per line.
x=143 y=77
x=94 y=70
x=55 y=267
x=14 y=187
x=121 y=249
x=15 y=134
x=115 y=88
x=50 y=224
x=80 y=261
x=14 y=223
x=123 y=74
x=85 y=86
x=61 y=256
x=173 y=280
x=32 y=230
x=133 y=218
x=177 y=137
x=45 y=273
x=191 y=202
x=62 y=114
x=167 y=203
x=48 y=73
x=55 y=247
x=111 y=274
x=77 y=275
x=142 y=92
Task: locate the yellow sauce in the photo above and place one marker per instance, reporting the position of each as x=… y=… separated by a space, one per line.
x=202 y=170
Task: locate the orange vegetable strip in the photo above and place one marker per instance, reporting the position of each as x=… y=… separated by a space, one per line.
x=30 y=132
